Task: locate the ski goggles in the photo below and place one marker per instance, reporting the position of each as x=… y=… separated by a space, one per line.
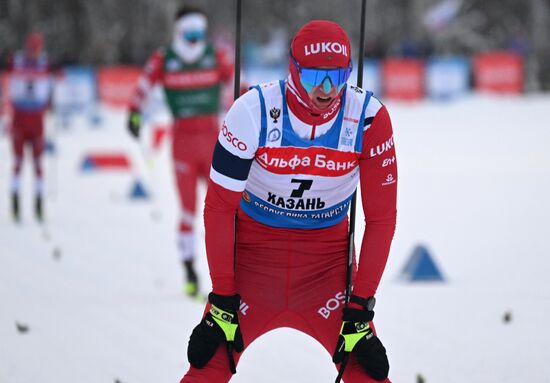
x=316 y=76
x=194 y=35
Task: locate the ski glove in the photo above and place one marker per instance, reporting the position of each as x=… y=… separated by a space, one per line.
x=357 y=337
x=220 y=324
x=134 y=123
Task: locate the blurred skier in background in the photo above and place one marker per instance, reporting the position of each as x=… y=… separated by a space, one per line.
x=30 y=90
x=191 y=71
x=288 y=159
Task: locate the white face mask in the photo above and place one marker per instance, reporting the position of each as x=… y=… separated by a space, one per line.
x=189 y=39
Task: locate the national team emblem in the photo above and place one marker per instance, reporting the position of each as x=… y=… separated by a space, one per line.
x=348 y=132
x=273 y=135
x=246 y=197
x=275 y=113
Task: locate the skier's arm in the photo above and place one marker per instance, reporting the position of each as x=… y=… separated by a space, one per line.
x=152 y=73
x=378 y=171
x=233 y=156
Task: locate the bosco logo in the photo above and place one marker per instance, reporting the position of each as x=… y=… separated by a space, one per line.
x=232 y=139
x=332 y=304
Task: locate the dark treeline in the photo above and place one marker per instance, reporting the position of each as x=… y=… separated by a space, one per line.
x=100 y=32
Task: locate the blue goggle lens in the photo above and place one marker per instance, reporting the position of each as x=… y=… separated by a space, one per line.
x=194 y=35
x=315 y=77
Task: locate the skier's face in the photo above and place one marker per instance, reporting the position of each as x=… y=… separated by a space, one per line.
x=191 y=29
x=189 y=40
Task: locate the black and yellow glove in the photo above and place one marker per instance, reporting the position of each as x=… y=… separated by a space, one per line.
x=134 y=123
x=357 y=337
x=219 y=325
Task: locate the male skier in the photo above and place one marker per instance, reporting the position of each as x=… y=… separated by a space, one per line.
x=30 y=88
x=288 y=159
x=192 y=72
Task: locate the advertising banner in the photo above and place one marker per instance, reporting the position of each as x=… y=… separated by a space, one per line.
x=403 y=79
x=116 y=84
x=447 y=77
x=499 y=72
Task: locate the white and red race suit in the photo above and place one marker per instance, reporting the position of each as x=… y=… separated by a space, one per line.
x=193 y=94
x=30 y=89
x=289 y=184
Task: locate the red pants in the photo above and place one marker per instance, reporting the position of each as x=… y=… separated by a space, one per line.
x=193 y=141
x=27 y=128
x=287 y=278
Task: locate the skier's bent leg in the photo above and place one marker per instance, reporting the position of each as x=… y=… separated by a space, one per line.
x=185 y=171
x=18 y=144
x=37 y=151
x=322 y=313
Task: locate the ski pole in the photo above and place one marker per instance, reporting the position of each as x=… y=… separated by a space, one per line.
x=237 y=85
x=236 y=93
x=351 y=246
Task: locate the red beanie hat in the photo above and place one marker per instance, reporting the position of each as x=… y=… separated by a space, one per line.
x=34 y=42
x=321 y=43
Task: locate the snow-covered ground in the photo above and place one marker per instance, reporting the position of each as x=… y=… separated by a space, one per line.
x=99 y=286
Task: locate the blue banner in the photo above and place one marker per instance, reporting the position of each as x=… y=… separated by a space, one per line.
x=447 y=77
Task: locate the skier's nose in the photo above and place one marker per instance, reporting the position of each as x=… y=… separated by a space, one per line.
x=326 y=85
